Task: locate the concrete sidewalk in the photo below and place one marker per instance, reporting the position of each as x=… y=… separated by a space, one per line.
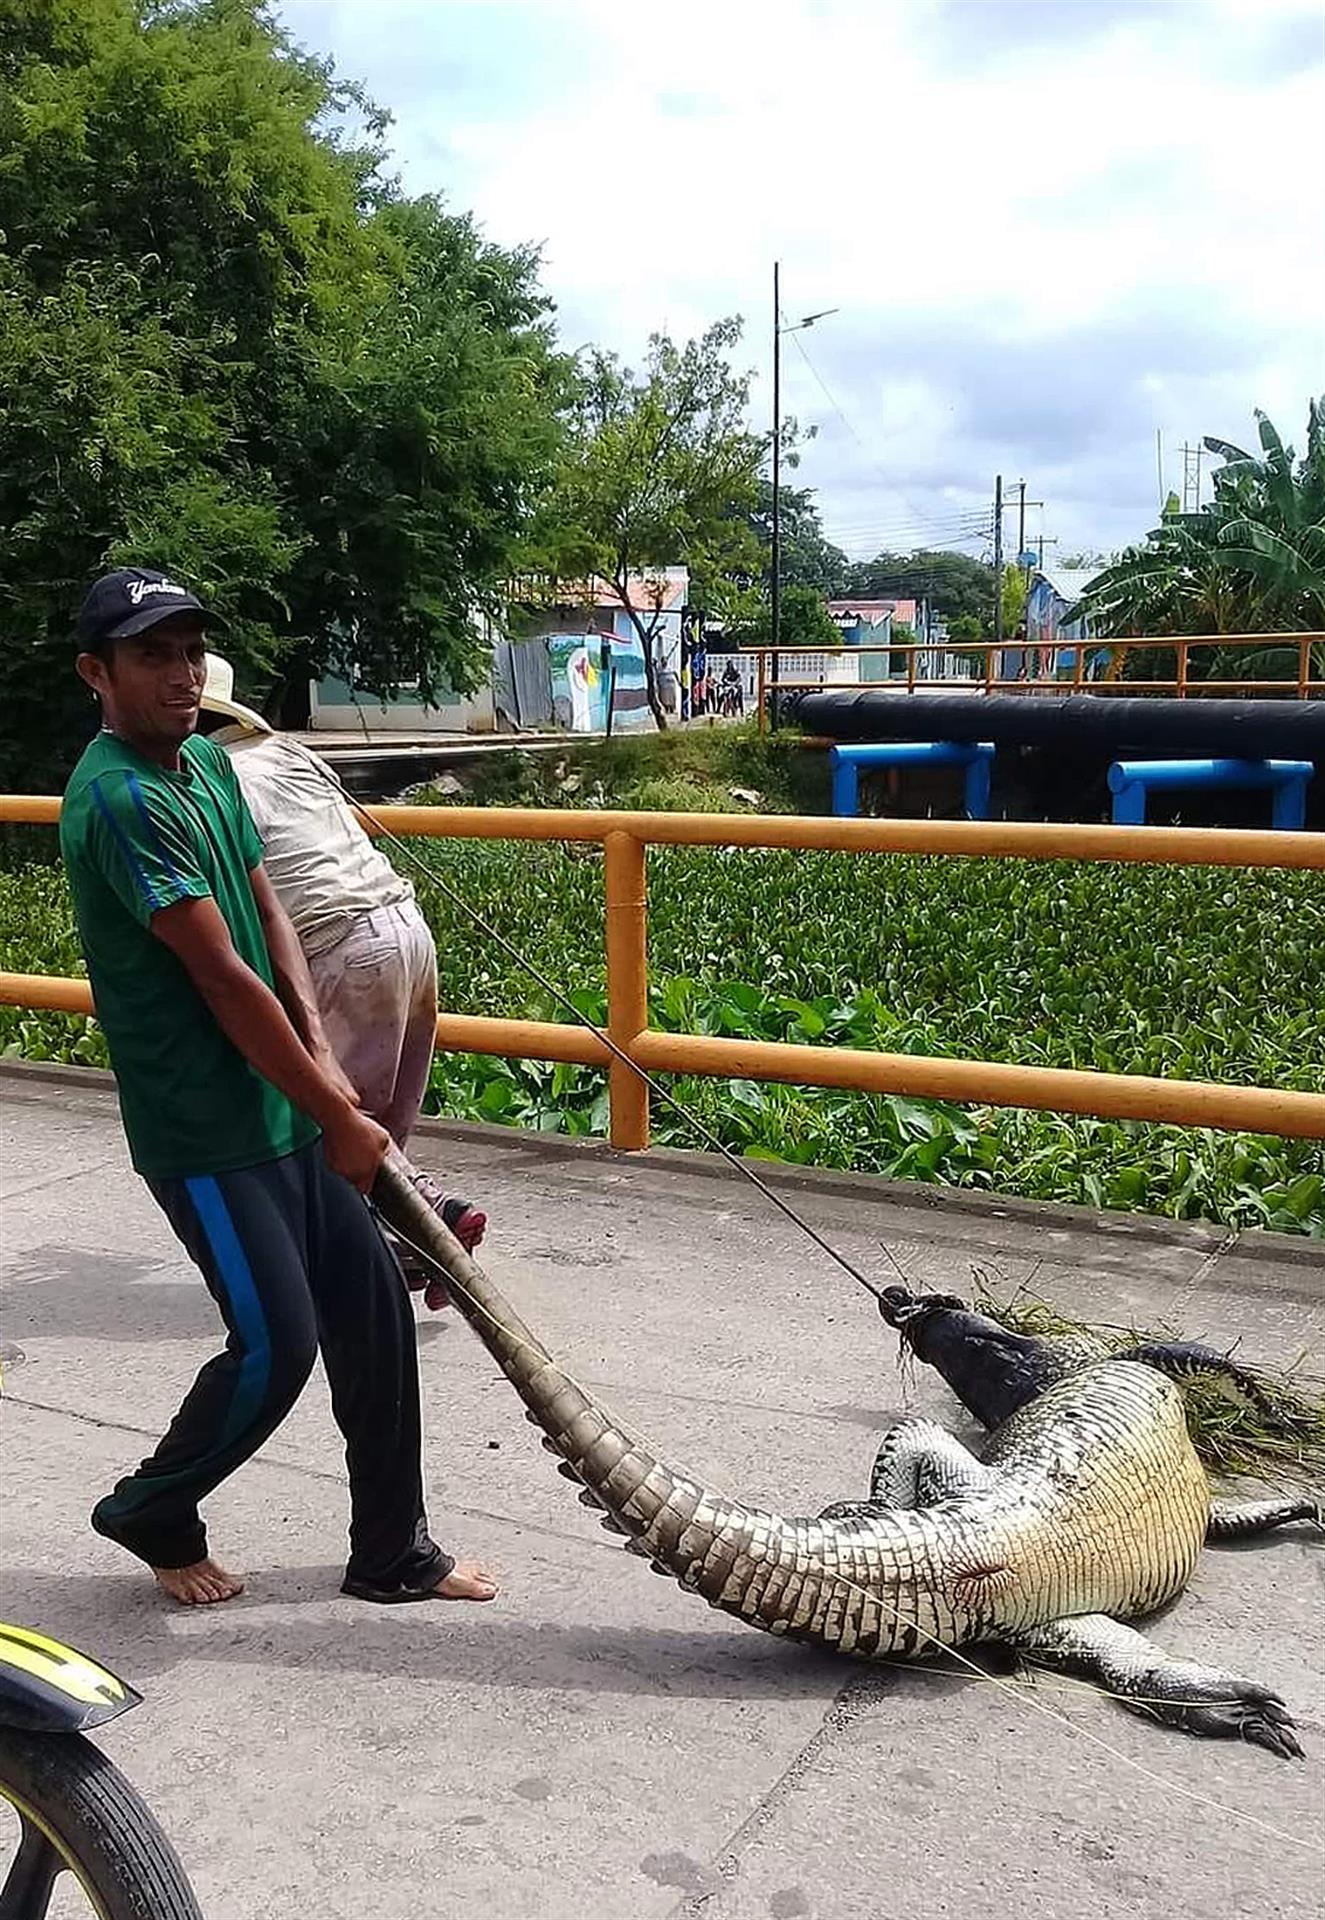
x=596 y=1745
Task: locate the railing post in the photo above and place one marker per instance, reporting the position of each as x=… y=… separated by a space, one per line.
x=627 y=984
x=1182 y=669
x=1303 y=666
x=1079 y=666
x=989 y=667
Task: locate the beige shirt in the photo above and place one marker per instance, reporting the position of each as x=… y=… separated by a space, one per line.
x=325 y=869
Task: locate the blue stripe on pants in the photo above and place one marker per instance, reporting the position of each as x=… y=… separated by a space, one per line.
x=236 y=1276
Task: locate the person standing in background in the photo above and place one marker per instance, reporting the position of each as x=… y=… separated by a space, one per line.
x=369 y=950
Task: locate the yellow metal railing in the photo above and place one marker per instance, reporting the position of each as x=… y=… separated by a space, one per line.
x=916 y=677
x=625 y=838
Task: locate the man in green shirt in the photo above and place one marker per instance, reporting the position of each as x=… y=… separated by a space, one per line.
x=237 y=1116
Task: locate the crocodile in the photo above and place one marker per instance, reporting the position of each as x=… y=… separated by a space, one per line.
x=1086 y=1508
x=995 y=1370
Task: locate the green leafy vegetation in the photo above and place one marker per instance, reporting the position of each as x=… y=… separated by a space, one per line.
x=1275 y=1435
x=689 y=769
x=230 y=346
x=1252 y=560
x=1189 y=973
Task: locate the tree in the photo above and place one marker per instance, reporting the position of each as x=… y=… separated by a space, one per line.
x=430 y=444
x=811 y=571
x=230 y=347
x=954 y=583
x=1014 y=593
x=803 y=619
x=659 y=470
x=1252 y=560
x=809 y=558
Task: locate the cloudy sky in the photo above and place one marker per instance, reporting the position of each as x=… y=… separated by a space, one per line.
x=1051 y=227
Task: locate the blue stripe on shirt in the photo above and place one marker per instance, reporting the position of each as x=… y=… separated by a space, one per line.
x=126 y=847
x=152 y=830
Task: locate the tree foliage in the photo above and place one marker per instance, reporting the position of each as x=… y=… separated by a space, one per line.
x=812 y=570
x=803 y=618
x=1014 y=593
x=1251 y=561
x=659 y=470
x=954 y=583
x=228 y=346
x=809 y=558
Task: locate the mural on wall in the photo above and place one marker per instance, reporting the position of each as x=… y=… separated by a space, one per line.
x=581 y=688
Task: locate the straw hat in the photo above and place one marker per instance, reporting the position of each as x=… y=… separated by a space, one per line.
x=218 y=696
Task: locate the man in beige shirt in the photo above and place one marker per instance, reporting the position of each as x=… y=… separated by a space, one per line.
x=369 y=949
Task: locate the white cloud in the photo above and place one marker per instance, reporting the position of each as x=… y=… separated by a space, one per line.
x=993 y=191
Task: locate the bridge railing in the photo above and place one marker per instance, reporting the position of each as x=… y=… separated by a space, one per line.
x=625 y=838
x=1092 y=666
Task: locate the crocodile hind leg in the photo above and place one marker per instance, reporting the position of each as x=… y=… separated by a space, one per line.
x=1147 y=1680
x=918 y=1464
x=1244 y=1522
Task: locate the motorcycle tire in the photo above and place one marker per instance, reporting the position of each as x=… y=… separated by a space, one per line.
x=79 y=1815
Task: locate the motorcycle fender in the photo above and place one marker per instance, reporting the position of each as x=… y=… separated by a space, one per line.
x=46 y=1687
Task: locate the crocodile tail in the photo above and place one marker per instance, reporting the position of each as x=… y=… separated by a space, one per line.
x=667 y=1516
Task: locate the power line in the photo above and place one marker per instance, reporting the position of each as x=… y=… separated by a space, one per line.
x=829 y=397
x=958 y=530
x=969 y=524
x=930 y=543
x=903 y=549
x=913 y=536
x=908 y=580
x=828 y=394
x=899 y=529
x=922 y=522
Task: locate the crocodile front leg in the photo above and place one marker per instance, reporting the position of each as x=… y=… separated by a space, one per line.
x=918 y=1464
x=1145 y=1679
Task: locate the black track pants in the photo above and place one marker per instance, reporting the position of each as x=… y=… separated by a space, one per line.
x=294 y=1260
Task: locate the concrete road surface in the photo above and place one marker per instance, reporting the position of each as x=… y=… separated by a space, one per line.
x=597 y=1745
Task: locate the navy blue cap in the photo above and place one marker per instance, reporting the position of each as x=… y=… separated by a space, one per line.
x=131 y=600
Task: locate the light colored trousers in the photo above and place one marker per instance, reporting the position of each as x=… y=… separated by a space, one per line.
x=377 y=993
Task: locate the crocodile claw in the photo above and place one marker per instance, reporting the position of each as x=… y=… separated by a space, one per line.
x=1247 y=1712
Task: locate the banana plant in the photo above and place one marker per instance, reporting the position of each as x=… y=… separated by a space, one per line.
x=1252 y=560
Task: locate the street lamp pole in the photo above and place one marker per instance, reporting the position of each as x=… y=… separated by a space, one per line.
x=775 y=595
x=775 y=607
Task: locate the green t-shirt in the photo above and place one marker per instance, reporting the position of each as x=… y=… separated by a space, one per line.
x=137 y=837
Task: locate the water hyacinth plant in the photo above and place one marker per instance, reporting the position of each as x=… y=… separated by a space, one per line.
x=1199 y=973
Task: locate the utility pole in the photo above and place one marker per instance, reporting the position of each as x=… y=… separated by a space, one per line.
x=1043 y=541
x=1022 y=504
x=1021 y=519
x=998 y=560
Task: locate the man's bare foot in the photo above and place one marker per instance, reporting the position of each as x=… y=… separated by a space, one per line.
x=466 y=1581
x=201 y=1585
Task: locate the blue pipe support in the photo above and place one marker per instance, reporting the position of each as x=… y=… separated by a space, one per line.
x=975 y=755
x=1130 y=781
